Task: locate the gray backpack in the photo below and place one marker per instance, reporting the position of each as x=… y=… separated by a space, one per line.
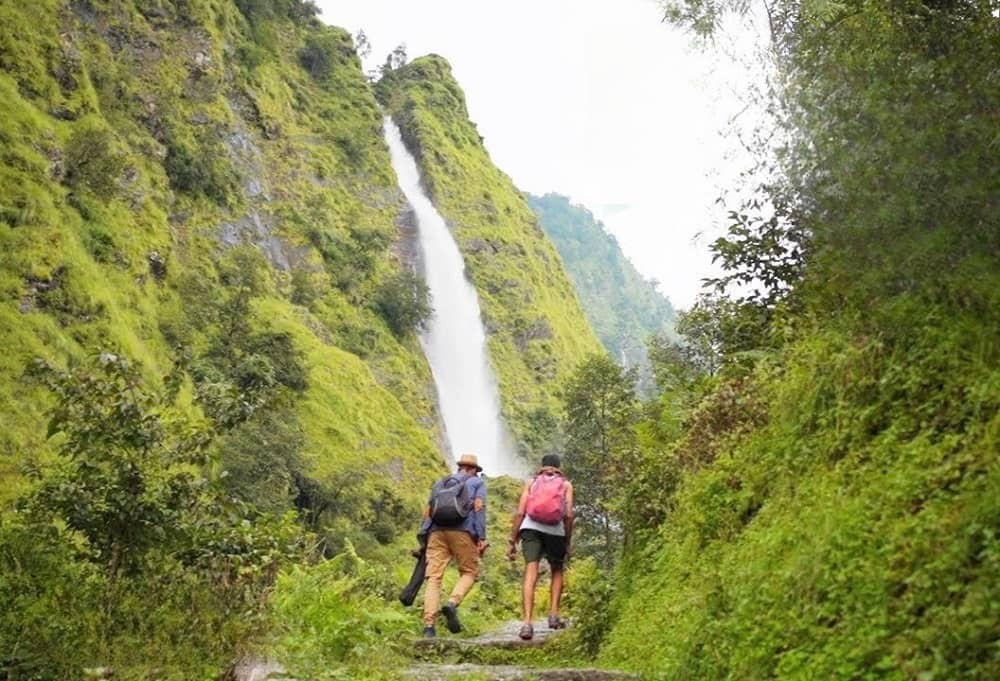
x=450 y=502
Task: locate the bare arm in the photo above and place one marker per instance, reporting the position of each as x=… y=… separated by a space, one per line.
x=515 y=527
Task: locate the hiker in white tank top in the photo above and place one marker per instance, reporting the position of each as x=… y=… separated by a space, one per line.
x=547 y=496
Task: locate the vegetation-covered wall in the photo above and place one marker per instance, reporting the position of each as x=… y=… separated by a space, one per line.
x=205 y=184
x=197 y=193
x=818 y=495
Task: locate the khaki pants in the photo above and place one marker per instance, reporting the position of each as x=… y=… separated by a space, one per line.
x=442 y=546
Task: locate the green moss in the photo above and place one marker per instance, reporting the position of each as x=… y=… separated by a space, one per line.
x=537 y=331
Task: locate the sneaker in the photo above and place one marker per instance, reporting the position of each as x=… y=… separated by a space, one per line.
x=450 y=612
x=429 y=632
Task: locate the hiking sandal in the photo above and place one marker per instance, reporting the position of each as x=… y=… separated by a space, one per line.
x=556 y=622
x=526 y=633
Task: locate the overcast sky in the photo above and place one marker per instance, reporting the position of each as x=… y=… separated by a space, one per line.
x=595 y=99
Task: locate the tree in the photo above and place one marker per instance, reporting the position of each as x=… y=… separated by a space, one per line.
x=362 y=45
x=888 y=155
x=125 y=534
x=601 y=412
x=242 y=368
x=93 y=162
x=321 y=53
x=397 y=58
x=672 y=365
x=404 y=302
x=763 y=257
x=123 y=483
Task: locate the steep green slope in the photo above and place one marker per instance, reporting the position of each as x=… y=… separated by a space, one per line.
x=826 y=504
x=624 y=308
x=203 y=188
x=537 y=331
x=142 y=145
x=845 y=523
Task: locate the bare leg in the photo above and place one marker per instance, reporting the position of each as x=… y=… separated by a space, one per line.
x=556 y=595
x=528 y=590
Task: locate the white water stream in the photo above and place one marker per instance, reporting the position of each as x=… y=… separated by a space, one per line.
x=454 y=341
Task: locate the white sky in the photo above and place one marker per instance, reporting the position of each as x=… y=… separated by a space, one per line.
x=594 y=99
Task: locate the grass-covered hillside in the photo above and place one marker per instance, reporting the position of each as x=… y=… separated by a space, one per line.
x=537 y=331
x=205 y=184
x=205 y=328
x=816 y=495
x=624 y=308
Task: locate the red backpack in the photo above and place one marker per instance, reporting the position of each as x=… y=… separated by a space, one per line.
x=547 y=498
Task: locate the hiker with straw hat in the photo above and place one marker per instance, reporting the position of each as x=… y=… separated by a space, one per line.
x=455 y=521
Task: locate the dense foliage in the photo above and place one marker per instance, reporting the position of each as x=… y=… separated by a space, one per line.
x=123 y=539
x=536 y=329
x=624 y=308
x=601 y=411
x=824 y=499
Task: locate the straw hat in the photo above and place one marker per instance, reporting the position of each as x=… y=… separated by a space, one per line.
x=469 y=460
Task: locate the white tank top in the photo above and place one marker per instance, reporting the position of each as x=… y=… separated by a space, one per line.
x=559 y=529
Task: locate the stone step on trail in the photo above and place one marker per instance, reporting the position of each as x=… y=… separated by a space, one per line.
x=497 y=655
x=504 y=637
x=483 y=672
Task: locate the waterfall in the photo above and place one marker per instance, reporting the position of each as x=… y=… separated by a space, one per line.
x=454 y=341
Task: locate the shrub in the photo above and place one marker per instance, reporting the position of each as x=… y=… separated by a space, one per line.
x=47 y=596
x=323 y=51
x=201 y=171
x=297 y=10
x=331 y=614
x=588 y=598
x=92 y=161
x=304 y=289
x=122 y=555
x=403 y=300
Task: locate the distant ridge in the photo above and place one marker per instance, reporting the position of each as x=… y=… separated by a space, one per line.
x=623 y=307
